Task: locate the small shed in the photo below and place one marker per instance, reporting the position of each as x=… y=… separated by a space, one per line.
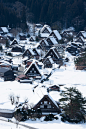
x=7 y=74
x=7 y=113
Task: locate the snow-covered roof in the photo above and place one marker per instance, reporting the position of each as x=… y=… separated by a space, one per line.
x=7 y=57
x=16 y=54
x=6 y=111
x=5 y=30
x=53 y=48
x=45 y=42
x=52 y=100
x=16 y=45
x=82 y=38
x=37 y=44
x=57 y=34
x=50 y=59
x=5 y=64
x=31 y=51
x=7 y=107
x=47 y=95
x=33 y=37
x=4 y=69
x=44 y=35
x=39 y=25
x=25 y=71
x=53 y=40
x=38 y=51
x=48 y=28
x=83 y=33
x=69 y=29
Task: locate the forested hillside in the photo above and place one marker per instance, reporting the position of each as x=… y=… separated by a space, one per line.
x=64 y=13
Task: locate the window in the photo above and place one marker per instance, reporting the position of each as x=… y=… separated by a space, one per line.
x=34 y=71
x=41 y=102
x=45 y=102
x=30 y=71
x=49 y=106
x=32 y=68
x=41 y=106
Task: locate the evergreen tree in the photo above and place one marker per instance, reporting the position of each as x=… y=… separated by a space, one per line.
x=73 y=103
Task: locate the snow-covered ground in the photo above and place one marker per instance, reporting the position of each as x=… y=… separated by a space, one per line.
x=56 y=124
x=68 y=76
x=8 y=125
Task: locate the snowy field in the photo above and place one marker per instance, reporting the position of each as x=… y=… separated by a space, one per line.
x=68 y=76
x=7 y=125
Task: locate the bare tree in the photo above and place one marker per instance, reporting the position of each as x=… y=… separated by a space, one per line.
x=12 y=98
x=17 y=99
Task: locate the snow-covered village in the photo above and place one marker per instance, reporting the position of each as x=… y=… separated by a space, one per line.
x=42 y=78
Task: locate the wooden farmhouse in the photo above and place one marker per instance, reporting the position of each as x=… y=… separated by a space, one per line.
x=82 y=33
x=81 y=40
x=32 y=38
x=45 y=31
x=56 y=35
x=64 y=34
x=36 y=53
x=38 y=46
x=3 y=30
x=51 y=41
x=33 y=71
x=47 y=105
x=29 y=62
x=54 y=55
x=17 y=48
x=14 y=42
x=44 y=44
x=48 y=62
x=28 y=53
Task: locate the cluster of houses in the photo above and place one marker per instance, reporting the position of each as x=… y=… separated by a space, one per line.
x=36 y=56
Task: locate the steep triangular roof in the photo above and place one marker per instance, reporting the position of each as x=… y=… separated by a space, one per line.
x=50 y=59
x=30 y=68
x=46 y=27
x=57 y=34
x=48 y=98
x=4 y=29
x=83 y=33
x=53 y=49
x=32 y=38
x=44 y=40
x=30 y=50
x=14 y=42
x=53 y=40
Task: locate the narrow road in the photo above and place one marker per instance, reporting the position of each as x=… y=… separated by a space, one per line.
x=29 y=127
x=26 y=126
